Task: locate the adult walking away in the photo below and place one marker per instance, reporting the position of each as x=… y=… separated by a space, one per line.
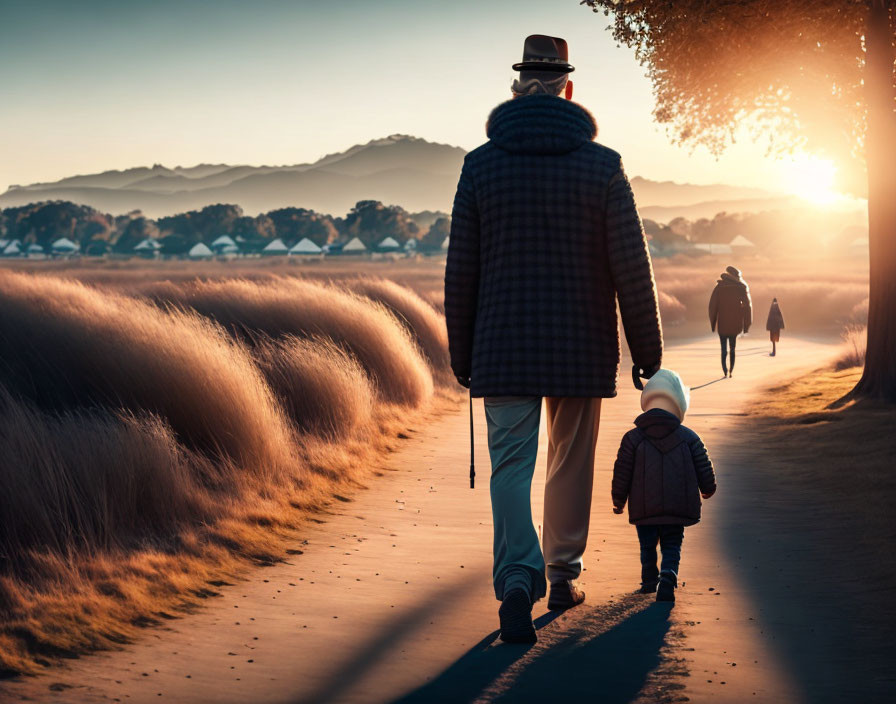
x=774 y=325
x=545 y=236
x=731 y=311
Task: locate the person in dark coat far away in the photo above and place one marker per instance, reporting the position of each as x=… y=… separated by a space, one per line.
x=545 y=238
x=662 y=469
x=774 y=325
x=731 y=311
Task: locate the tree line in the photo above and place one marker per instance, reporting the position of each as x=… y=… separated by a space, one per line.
x=371 y=221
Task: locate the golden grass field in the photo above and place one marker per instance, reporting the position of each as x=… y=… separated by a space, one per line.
x=154 y=445
x=166 y=425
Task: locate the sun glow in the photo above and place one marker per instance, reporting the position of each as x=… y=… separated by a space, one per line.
x=811 y=178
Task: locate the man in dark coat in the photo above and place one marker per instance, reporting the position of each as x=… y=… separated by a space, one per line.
x=545 y=239
x=731 y=311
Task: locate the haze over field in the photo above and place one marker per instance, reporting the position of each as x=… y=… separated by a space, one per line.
x=408 y=171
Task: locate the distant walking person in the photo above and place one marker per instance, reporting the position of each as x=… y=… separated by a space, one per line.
x=662 y=469
x=545 y=237
x=774 y=325
x=731 y=311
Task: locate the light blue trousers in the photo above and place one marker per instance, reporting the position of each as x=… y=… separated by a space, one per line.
x=513 y=423
x=513 y=445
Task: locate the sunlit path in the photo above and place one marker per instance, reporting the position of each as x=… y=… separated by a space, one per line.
x=390 y=597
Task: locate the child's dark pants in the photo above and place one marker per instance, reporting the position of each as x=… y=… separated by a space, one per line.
x=669 y=538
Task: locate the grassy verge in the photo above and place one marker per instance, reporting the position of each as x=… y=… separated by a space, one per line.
x=151 y=450
x=817 y=297
x=809 y=518
x=837 y=457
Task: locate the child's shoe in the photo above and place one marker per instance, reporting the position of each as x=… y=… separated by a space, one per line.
x=666 y=589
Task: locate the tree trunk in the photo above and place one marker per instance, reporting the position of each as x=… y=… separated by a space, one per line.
x=879 y=377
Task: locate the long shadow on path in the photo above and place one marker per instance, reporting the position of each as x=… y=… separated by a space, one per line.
x=605 y=653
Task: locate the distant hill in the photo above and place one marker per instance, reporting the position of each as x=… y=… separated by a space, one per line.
x=668 y=193
x=710 y=208
x=399 y=169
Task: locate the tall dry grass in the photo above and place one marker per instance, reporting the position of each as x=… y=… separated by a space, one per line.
x=672 y=311
x=817 y=297
x=83 y=480
x=855 y=340
x=324 y=390
x=148 y=453
x=65 y=347
x=289 y=306
x=422 y=321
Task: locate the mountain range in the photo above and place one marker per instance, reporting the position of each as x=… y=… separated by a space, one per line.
x=399 y=169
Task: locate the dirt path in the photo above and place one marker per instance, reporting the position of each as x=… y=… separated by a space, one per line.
x=391 y=597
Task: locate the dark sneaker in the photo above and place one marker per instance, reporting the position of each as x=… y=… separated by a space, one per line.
x=516 y=618
x=648 y=587
x=564 y=595
x=665 y=591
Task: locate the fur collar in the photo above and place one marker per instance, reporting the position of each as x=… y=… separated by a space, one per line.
x=540 y=124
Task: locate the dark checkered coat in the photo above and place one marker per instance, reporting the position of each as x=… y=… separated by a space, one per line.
x=545 y=236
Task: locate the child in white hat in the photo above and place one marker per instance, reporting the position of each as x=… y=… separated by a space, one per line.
x=662 y=470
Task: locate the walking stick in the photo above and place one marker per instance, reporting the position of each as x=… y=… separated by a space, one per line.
x=472 y=461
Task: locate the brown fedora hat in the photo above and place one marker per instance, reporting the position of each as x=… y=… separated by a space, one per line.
x=544 y=53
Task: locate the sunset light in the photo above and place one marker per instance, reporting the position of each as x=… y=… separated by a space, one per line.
x=385 y=352
x=811 y=178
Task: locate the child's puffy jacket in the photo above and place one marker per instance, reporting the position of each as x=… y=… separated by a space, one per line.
x=661 y=469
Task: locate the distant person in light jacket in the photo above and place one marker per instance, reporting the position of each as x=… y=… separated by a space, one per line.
x=545 y=239
x=774 y=325
x=731 y=312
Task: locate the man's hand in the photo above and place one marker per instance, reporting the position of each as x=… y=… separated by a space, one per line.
x=638 y=372
x=617 y=509
x=706 y=496
x=650 y=371
x=463 y=381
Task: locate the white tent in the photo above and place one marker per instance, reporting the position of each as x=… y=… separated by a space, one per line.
x=389 y=244
x=714 y=248
x=35 y=249
x=13 y=249
x=199 y=251
x=229 y=249
x=354 y=246
x=222 y=242
x=148 y=245
x=410 y=245
x=445 y=243
x=275 y=247
x=741 y=241
x=64 y=246
x=305 y=246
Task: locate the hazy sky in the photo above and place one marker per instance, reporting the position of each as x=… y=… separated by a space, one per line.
x=95 y=84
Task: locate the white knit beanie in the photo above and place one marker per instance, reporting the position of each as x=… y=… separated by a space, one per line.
x=668 y=384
